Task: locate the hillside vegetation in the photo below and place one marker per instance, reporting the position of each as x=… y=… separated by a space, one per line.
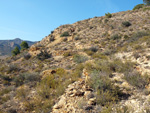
x=99 y=65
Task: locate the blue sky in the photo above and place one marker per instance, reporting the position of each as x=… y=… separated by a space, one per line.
x=35 y=19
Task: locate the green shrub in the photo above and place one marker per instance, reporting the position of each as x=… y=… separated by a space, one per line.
x=4 y=99
x=27 y=56
x=44 y=55
x=107 y=92
x=94 y=49
x=77 y=72
x=51 y=38
x=13 y=68
x=108 y=15
x=5 y=91
x=66 y=54
x=135 y=79
x=91 y=50
x=137 y=47
x=64 y=34
x=79 y=59
x=25 y=78
x=6 y=79
x=99 y=55
x=115 y=37
x=138 y=6
x=76 y=38
x=65 y=39
x=30 y=77
x=106 y=20
x=126 y=24
x=49 y=89
x=138 y=35
x=19 y=80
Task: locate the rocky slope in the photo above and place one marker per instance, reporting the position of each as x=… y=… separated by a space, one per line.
x=96 y=65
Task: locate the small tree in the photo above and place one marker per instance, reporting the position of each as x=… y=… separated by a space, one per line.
x=15 y=51
x=24 y=45
x=147 y=2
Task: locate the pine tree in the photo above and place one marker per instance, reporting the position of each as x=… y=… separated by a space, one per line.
x=24 y=45
x=15 y=51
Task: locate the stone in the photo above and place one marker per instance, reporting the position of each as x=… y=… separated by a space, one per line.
x=88 y=108
x=61 y=103
x=79 y=93
x=92 y=101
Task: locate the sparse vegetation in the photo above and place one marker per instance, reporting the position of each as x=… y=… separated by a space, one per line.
x=44 y=55
x=108 y=15
x=52 y=39
x=26 y=78
x=126 y=24
x=64 y=34
x=135 y=79
x=79 y=58
x=115 y=37
x=13 y=68
x=27 y=56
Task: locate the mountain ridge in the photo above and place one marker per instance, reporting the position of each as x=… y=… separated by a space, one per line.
x=6 y=46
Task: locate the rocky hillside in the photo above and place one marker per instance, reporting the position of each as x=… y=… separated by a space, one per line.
x=98 y=65
x=6 y=46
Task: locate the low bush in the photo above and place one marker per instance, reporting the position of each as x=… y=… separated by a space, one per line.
x=138 y=35
x=100 y=56
x=91 y=50
x=13 y=68
x=135 y=79
x=107 y=92
x=108 y=15
x=44 y=55
x=49 y=89
x=94 y=49
x=64 y=34
x=5 y=91
x=6 y=79
x=51 y=38
x=65 y=39
x=76 y=38
x=79 y=59
x=66 y=54
x=115 y=37
x=25 y=78
x=77 y=72
x=4 y=99
x=126 y=24
x=27 y=56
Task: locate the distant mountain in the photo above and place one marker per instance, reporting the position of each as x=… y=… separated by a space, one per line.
x=6 y=46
